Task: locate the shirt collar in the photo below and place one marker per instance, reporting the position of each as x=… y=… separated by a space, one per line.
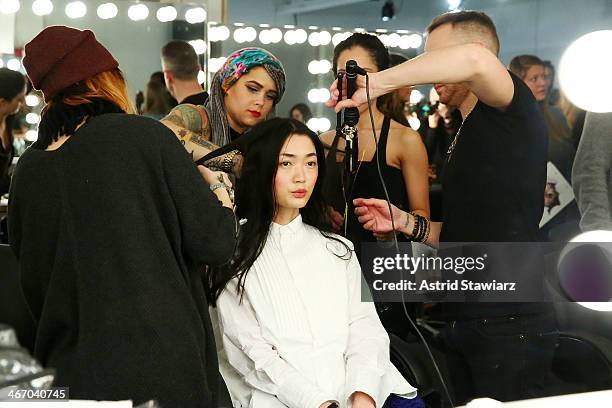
x=293 y=227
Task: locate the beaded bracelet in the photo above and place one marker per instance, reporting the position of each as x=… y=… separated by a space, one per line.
x=422 y=227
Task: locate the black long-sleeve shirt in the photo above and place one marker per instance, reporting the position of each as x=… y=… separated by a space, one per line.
x=112 y=230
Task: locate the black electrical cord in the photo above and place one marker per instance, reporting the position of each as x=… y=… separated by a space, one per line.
x=384 y=186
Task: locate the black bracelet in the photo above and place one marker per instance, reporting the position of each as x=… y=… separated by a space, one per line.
x=415 y=229
x=425 y=229
x=421 y=229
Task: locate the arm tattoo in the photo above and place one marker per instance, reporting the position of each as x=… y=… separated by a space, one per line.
x=174 y=118
x=187 y=137
x=192 y=128
x=191 y=117
x=185 y=116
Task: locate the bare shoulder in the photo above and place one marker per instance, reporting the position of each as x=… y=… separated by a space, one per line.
x=404 y=136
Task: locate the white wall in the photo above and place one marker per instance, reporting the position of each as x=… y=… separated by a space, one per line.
x=541 y=27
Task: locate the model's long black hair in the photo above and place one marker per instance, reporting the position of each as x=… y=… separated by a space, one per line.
x=255 y=200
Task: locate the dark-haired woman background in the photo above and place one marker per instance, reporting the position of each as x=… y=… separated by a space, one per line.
x=300 y=112
x=403 y=158
x=12 y=93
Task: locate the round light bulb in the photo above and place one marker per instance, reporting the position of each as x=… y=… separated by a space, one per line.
x=138 y=12
x=239 y=36
x=31 y=135
x=13 y=64
x=394 y=40
x=414 y=123
x=9 y=6
x=313 y=95
x=324 y=124
x=166 y=14
x=584 y=72
x=276 y=35
x=404 y=42
x=212 y=34
x=290 y=37
x=32 y=100
x=250 y=34
x=313 y=39
x=300 y=36
x=324 y=38
x=32 y=118
x=107 y=11
x=199 y=46
x=324 y=95
x=324 y=66
x=265 y=37
x=76 y=9
x=223 y=33
x=313 y=67
x=313 y=124
x=42 y=7
x=415 y=96
x=415 y=40
x=195 y=15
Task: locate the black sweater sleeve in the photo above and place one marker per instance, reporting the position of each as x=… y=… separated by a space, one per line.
x=207 y=228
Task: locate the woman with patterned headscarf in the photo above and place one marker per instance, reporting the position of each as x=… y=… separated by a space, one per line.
x=243 y=93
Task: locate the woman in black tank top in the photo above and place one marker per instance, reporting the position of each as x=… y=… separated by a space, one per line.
x=367 y=184
x=403 y=160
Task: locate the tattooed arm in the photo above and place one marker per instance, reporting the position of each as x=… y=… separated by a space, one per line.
x=190 y=124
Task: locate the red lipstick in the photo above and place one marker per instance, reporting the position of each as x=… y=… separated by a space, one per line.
x=255 y=114
x=299 y=193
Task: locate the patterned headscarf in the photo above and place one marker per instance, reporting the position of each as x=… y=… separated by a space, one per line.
x=236 y=65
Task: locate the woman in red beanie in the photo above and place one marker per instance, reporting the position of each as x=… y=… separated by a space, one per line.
x=112 y=224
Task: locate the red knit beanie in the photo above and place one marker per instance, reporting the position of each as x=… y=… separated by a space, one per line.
x=61 y=56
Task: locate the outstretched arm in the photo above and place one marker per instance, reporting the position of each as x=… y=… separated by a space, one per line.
x=374 y=214
x=472 y=64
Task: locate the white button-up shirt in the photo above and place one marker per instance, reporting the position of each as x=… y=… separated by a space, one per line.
x=302 y=335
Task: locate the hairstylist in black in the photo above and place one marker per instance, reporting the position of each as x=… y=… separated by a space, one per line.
x=493 y=180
